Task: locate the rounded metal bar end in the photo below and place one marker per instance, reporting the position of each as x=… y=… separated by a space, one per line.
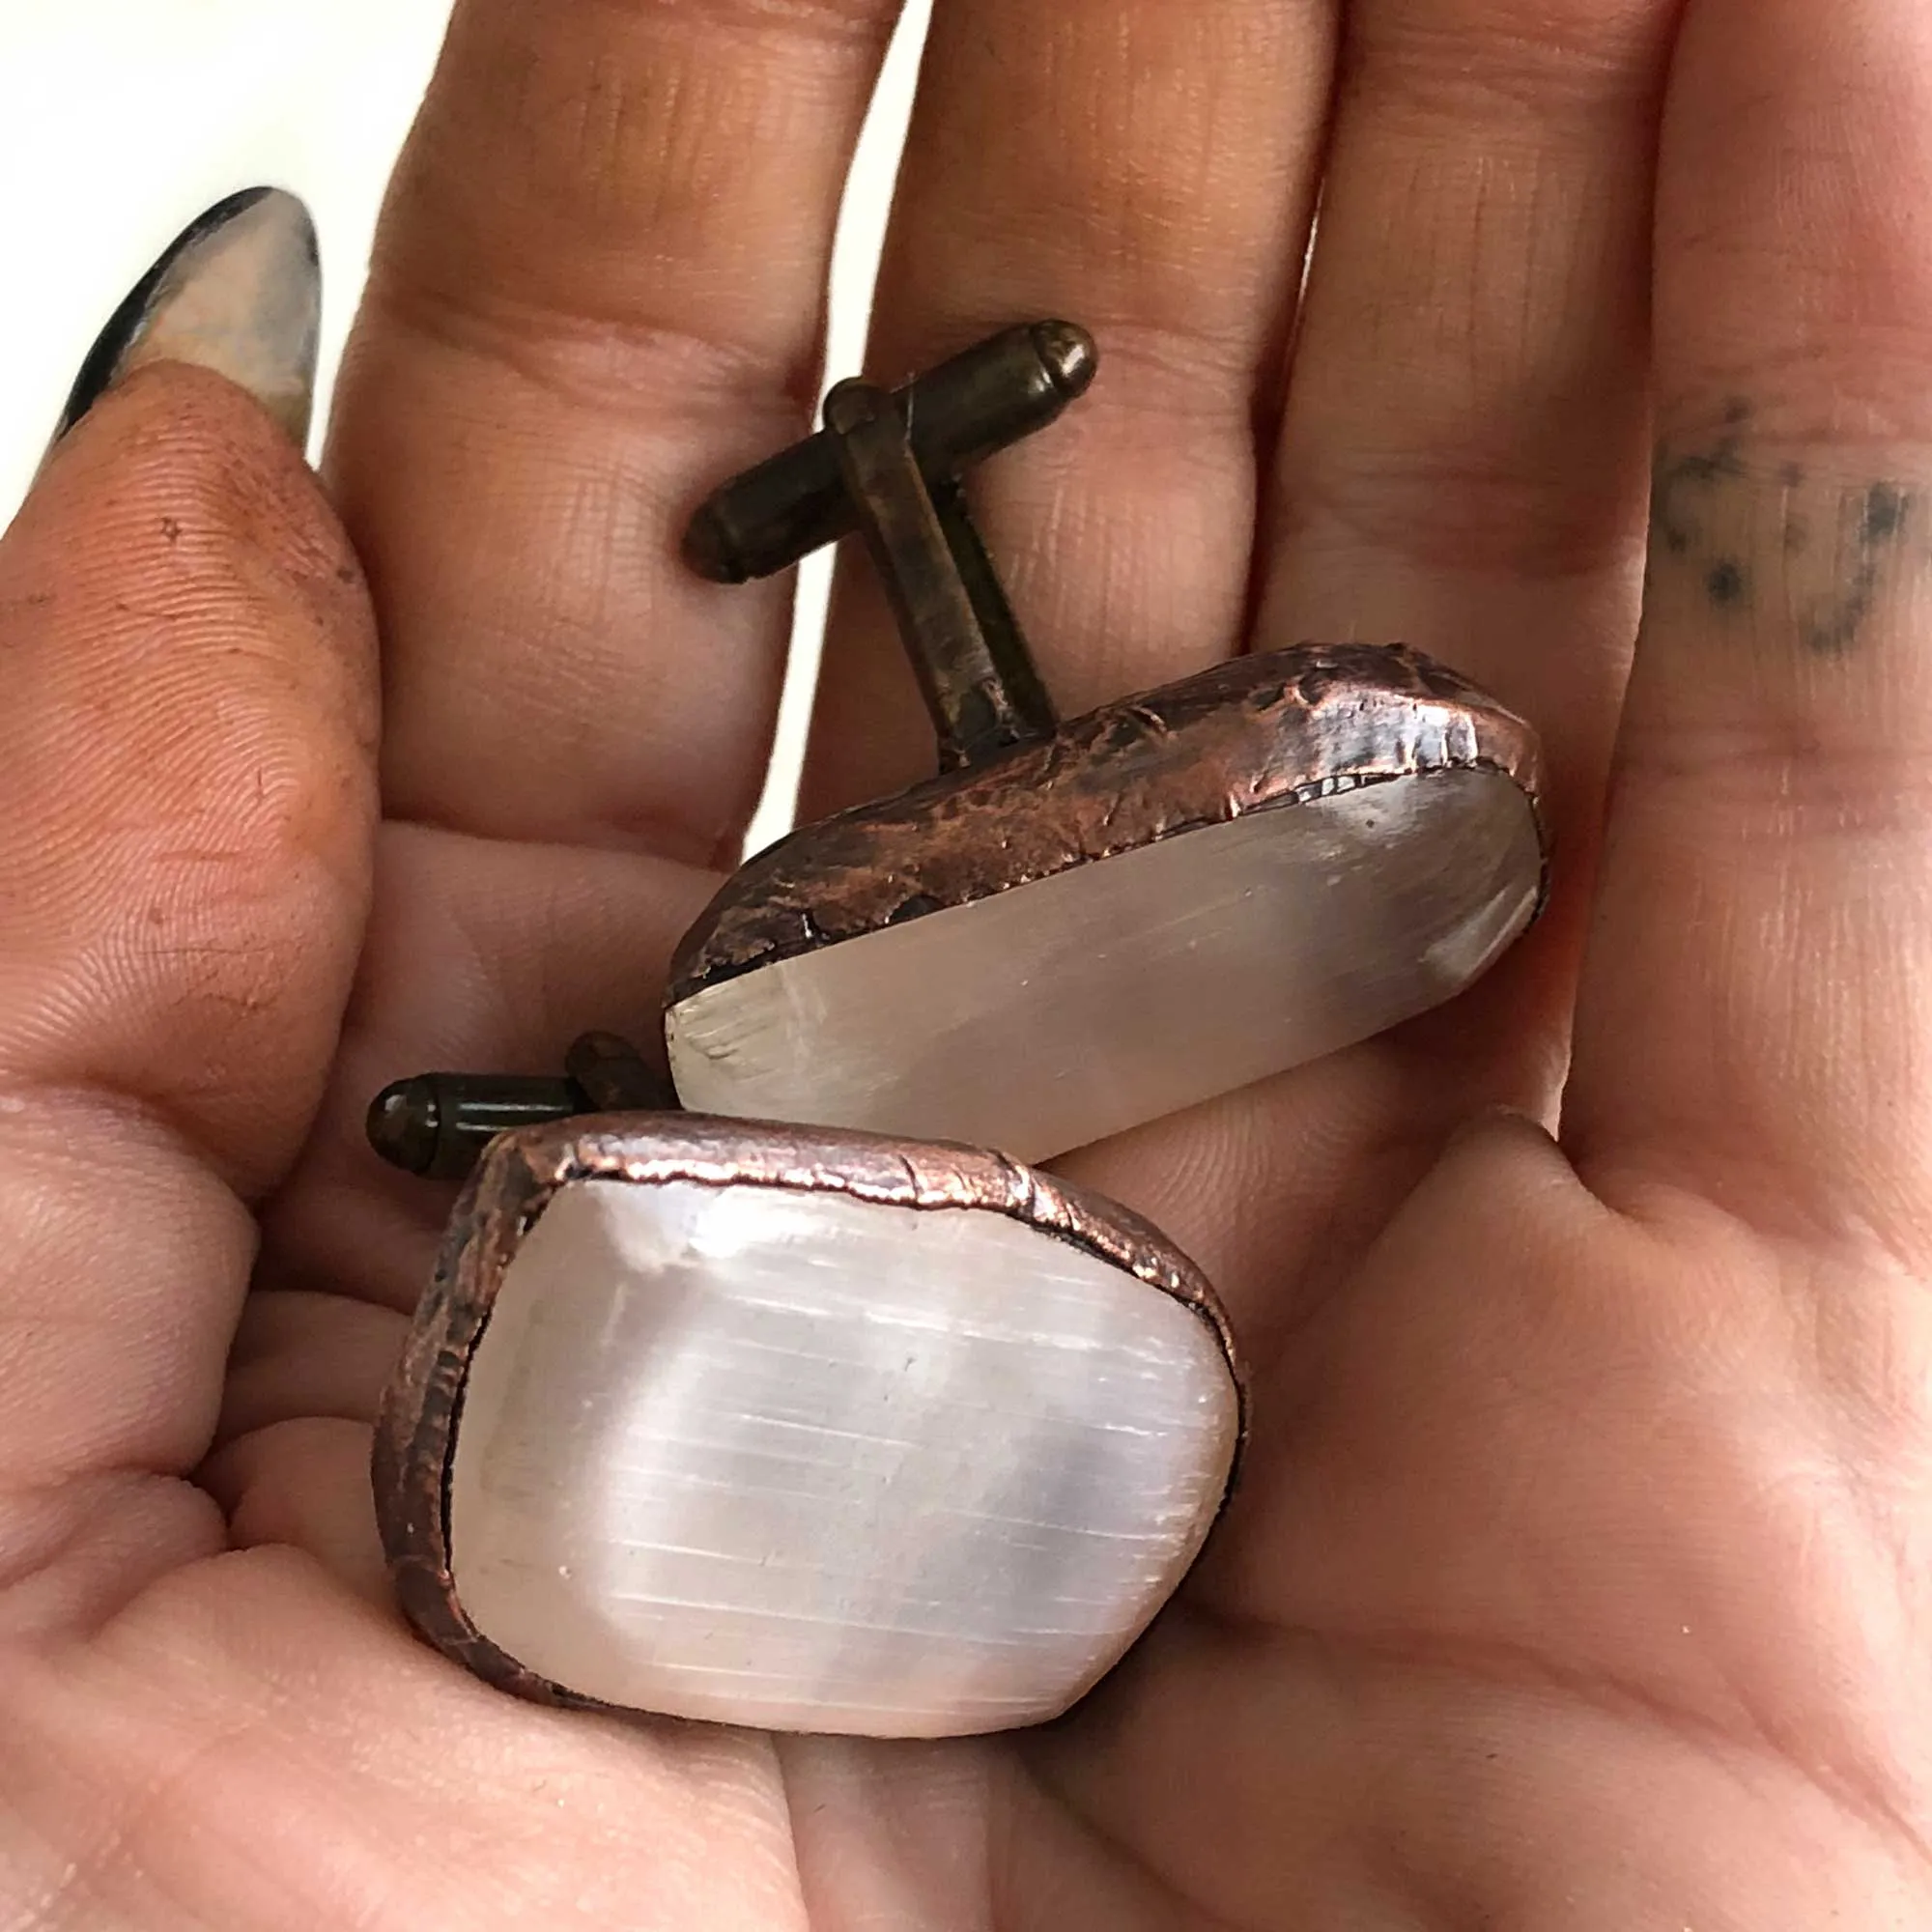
x=1069 y=355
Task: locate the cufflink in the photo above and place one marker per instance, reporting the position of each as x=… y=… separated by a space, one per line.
x=1078 y=928
x=797 y=1428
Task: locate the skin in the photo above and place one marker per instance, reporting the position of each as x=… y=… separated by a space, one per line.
x=1583 y=1577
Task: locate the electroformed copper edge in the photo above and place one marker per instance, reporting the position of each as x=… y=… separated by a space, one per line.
x=416 y=1427
x=1253 y=734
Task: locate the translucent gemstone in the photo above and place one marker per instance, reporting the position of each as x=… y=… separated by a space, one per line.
x=808 y=1462
x=1129 y=988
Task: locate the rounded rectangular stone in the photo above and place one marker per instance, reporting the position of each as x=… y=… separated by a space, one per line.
x=808 y=1461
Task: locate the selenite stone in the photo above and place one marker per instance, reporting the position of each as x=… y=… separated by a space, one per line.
x=1126 y=988
x=808 y=1462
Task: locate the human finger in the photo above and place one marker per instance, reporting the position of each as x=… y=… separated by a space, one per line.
x=1755 y=1021
x=1148 y=171
x=1463 y=457
x=598 y=287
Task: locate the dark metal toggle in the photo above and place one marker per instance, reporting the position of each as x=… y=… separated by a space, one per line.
x=887 y=467
x=438 y=1124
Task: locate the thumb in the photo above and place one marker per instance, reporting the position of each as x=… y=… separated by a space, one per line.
x=186 y=808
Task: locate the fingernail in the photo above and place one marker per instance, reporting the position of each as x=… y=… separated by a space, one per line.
x=238 y=292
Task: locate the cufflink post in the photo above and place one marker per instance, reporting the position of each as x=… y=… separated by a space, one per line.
x=437 y=1125
x=889 y=467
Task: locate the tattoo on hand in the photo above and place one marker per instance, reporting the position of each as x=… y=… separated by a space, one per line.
x=1709 y=508
x=1878 y=520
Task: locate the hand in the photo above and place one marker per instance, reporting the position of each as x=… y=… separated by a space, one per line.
x=1581 y=1576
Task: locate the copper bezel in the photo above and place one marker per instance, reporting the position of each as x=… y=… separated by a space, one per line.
x=1255 y=734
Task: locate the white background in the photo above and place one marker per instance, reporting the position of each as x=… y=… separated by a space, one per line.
x=122 y=120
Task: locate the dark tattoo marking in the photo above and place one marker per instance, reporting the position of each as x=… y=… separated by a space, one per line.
x=1883 y=514
x=1678 y=480
x=1729 y=584
x=1689 y=508
x=1832 y=626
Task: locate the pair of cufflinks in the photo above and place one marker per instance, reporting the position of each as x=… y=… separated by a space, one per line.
x=853 y=1423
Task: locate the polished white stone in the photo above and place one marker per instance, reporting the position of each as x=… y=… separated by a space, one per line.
x=1123 y=990
x=812 y=1463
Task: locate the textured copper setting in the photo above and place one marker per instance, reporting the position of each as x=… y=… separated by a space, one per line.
x=1255 y=734
x=415 y=1431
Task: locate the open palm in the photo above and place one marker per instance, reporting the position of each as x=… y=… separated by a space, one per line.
x=1581 y=1577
